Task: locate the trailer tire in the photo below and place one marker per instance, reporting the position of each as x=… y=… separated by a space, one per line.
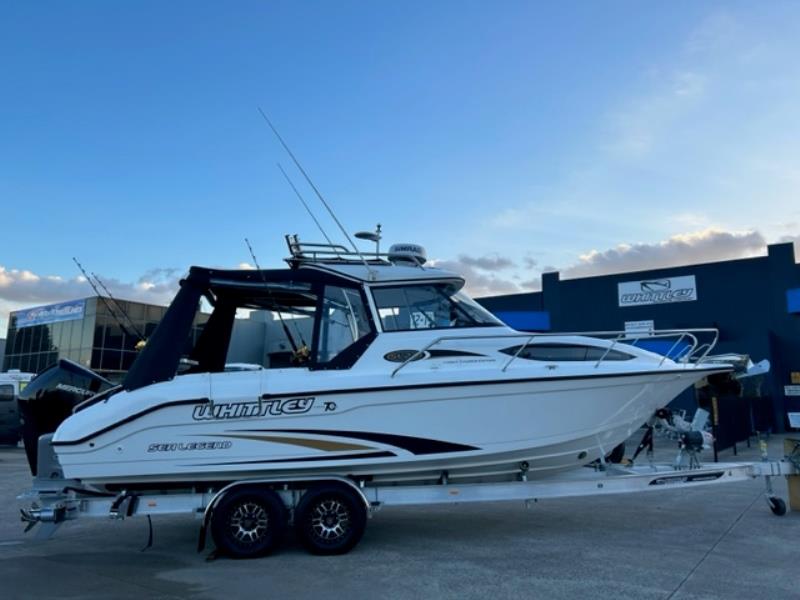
x=248 y=522
x=330 y=519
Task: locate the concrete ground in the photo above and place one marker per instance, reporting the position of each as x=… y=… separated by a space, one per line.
x=715 y=542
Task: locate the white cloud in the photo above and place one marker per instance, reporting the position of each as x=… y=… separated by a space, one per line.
x=21 y=288
x=531 y=285
x=500 y=275
x=493 y=262
x=708 y=245
x=481 y=273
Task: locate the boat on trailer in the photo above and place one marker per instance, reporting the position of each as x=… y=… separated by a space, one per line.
x=395 y=373
x=395 y=379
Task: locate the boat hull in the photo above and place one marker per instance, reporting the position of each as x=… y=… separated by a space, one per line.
x=475 y=429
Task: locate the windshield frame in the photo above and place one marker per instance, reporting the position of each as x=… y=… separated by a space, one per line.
x=458 y=301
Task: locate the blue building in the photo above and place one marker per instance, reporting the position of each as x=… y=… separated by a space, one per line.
x=754 y=302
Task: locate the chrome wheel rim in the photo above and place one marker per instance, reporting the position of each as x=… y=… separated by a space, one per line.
x=248 y=523
x=330 y=520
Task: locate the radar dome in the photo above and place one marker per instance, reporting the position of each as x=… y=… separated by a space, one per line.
x=407 y=254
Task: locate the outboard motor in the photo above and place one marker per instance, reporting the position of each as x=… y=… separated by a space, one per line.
x=50 y=398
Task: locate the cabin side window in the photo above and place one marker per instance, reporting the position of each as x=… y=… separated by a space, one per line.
x=344 y=322
x=565 y=352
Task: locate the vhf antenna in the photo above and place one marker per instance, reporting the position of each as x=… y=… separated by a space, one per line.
x=119 y=306
x=372 y=236
x=317 y=192
x=103 y=298
x=303 y=202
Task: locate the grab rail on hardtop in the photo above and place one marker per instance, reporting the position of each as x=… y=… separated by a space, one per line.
x=319 y=252
x=695 y=352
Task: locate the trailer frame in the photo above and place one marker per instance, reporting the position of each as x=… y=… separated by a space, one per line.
x=55 y=501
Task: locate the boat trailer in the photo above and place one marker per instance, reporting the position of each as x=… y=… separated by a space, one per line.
x=55 y=501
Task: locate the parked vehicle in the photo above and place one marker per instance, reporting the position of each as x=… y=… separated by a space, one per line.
x=11 y=384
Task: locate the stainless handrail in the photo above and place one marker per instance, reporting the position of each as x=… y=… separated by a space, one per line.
x=620 y=337
x=607 y=352
x=517 y=353
x=677 y=343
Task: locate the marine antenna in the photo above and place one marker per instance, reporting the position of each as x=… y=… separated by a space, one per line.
x=111 y=311
x=317 y=192
x=119 y=306
x=303 y=202
x=301 y=353
x=372 y=236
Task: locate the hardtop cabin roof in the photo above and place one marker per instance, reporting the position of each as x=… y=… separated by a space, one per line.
x=380 y=273
x=320 y=272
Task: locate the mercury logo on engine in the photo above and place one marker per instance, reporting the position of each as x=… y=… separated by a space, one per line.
x=74 y=389
x=244 y=410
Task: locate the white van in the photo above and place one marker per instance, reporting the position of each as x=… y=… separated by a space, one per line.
x=11 y=384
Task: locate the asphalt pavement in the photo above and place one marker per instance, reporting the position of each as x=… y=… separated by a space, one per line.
x=713 y=542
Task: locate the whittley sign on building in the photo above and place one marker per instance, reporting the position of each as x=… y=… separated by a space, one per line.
x=53 y=313
x=657 y=291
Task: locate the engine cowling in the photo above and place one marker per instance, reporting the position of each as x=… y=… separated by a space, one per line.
x=51 y=397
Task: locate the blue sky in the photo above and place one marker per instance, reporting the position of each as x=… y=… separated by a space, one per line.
x=507 y=138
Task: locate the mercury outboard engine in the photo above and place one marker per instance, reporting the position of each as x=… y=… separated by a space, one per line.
x=50 y=398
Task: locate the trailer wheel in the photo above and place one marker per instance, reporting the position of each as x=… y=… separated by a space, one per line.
x=248 y=522
x=777 y=506
x=330 y=519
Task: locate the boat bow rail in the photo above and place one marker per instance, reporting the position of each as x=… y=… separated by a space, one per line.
x=686 y=348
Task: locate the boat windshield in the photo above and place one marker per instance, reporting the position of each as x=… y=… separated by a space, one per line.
x=429 y=306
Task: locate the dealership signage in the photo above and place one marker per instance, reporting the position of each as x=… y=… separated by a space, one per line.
x=52 y=313
x=633 y=327
x=657 y=291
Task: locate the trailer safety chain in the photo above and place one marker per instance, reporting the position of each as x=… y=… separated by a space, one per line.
x=149 y=543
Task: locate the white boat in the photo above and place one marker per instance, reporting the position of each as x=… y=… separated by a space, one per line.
x=395 y=375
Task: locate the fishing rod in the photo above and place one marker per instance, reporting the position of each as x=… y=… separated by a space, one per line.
x=299 y=353
x=303 y=202
x=120 y=307
x=103 y=298
x=316 y=191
